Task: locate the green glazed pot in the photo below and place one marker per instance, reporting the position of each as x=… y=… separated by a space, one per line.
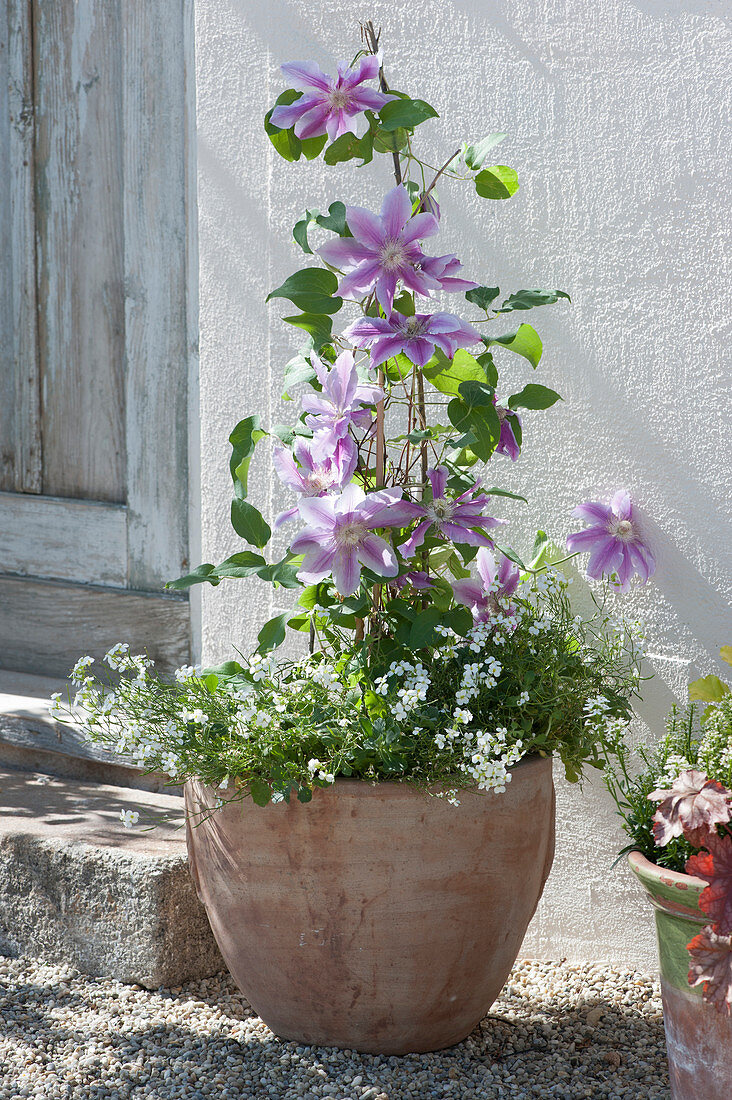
x=698 y=1038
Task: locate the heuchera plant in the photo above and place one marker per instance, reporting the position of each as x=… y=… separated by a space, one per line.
x=701 y=810
x=691 y=829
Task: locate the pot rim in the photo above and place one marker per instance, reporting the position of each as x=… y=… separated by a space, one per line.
x=644 y=868
x=405 y=786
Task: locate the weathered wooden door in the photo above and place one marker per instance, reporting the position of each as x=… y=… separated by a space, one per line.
x=95 y=347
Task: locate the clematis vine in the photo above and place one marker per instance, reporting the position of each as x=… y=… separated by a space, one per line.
x=417 y=336
x=613 y=540
x=344 y=399
x=329 y=105
x=324 y=464
x=498 y=580
x=339 y=536
x=454 y=518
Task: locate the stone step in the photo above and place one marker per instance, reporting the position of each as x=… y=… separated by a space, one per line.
x=31 y=740
x=77 y=887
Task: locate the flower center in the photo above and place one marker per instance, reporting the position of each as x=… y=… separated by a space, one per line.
x=351 y=533
x=318 y=482
x=339 y=98
x=440 y=509
x=414 y=326
x=622 y=529
x=391 y=256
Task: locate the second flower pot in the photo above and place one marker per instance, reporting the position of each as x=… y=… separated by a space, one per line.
x=698 y=1038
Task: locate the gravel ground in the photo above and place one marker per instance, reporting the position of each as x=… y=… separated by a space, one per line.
x=557 y=1031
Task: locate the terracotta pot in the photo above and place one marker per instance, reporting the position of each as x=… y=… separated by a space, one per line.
x=698 y=1038
x=376 y=917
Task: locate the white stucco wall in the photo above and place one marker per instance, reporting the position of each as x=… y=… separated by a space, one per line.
x=616 y=111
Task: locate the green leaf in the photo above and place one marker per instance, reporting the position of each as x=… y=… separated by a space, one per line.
x=287 y=145
x=244 y=564
x=482 y=296
x=282 y=573
x=313 y=147
x=710 y=689
x=260 y=792
x=422 y=632
x=498 y=182
x=491 y=371
x=524 y=341
x=304 y=794
x=249 y=523
x=404 y=304
x=474 y=413
x=510 y=553
x=447 y=375
x=528 y=299
x=474 y=155
x=533 y=397
x=348 y=147
x=319 y=326
x=494 y=491
x=225 y=670
x=726 y=653
x=300 y=230
x=273 y=633
x=477 y=395
x=405 y=112
x=312 y=290
x=335 y=220
x=200 y=574
x=390 y=141
x=299 y=369
x=243 y=439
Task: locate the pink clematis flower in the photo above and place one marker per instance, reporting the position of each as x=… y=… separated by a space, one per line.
x=325 y=463
x=344 y=399
x=497 y=582
x=383 y=250
x=507 y=442
x=416 y=336
x=454 y=518
x=329 y=105
x=339 y=537
x=444 y=269
x=614 y=541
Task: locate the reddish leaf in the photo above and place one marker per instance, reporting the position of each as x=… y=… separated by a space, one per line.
x=692 y=803
x=715 y=866
x=711 y=966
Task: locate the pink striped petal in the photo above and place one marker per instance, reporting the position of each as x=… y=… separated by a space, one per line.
x=306 y=74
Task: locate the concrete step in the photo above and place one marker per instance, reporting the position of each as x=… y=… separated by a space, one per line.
x=30 y=740
x=77 y=887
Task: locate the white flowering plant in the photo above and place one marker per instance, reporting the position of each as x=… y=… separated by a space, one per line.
x=460 y=712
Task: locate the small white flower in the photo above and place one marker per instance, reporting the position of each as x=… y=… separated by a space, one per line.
x=523 y=698
x=129 y=818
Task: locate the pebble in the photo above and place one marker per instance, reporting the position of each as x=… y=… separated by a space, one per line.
x=557 y=1032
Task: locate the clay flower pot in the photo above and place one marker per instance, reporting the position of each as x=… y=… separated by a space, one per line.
x=376 y=917
x=698 y=1038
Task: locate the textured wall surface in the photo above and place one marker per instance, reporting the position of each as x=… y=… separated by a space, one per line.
x=616 y=114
